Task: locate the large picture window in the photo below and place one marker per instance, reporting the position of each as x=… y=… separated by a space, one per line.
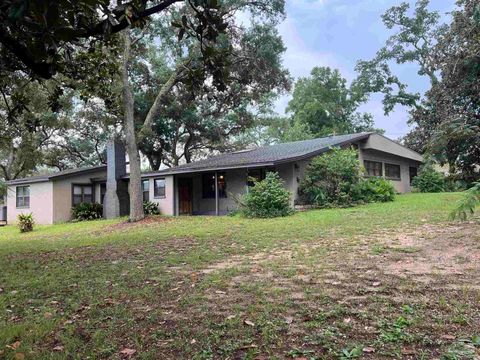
x=373 y=168
x=23 y=196
x=146 y=190
x=82 y=194
x=159 y=188
x=392 y=172
x=103 y=191
x=208 y=185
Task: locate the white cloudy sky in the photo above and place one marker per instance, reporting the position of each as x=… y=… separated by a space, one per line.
x=337 y=33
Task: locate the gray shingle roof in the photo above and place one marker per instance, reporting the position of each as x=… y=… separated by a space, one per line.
x=272 y=154
x=60 y=174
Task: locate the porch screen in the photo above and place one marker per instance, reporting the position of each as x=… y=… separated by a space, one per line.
x=208 y=185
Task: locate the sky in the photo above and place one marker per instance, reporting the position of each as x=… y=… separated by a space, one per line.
x=338 y=33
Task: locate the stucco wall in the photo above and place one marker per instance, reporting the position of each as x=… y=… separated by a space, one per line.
x=62 y=194
x=402 y=185
x=41 y=203
x=165 y=204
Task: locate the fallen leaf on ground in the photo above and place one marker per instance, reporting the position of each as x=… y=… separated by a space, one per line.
x=58 y=348
x=230 y=317
x=128 y=352
x=48 y=315
x=368 y=350
x=376 y=284
x=19 y=356
x=193 y=341
x=289 y=319
x=220 y=292
x=448 y=337
x=15 y=345
x=249 y=323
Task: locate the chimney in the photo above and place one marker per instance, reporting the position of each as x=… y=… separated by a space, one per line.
x=114 y=202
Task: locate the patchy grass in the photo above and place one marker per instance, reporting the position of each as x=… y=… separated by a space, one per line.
x=390 y=280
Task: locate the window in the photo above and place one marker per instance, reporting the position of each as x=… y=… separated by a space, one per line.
x=146 y=190
x=103 y=191
x=392 y=171
x=257 y=174
x=159 y=188
x=208 y=185
x=82 y=194
x=413 y=172
x=373 y=168
x=23 y=196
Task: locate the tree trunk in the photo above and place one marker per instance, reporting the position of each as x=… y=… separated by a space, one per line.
x=136 y=198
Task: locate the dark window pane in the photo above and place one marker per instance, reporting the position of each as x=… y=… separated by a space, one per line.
x=413 y=172
x=77 y=199
x=103 y=191
x=222 y=185
x=208 y=185
x=82 y=194
x=373 y=168
x=392 y=171
x=22 y=196
x=159 y=188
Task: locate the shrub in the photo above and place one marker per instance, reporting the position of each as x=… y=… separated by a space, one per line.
x=330 y=179
x=25 y=222
x=468 y=204
x=150 y=208
x=87 y=211
x=429 y=180
x=267 y=198
x=374 y=189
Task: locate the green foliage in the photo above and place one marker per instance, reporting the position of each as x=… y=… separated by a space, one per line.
x=323 y=104
x=25 y=222
x=334 y=179
x=330 y=179
x=467 y=205
x=150 y=208
x=267 y=198
x=429 y=180
x=374 y=189
x=87 y=211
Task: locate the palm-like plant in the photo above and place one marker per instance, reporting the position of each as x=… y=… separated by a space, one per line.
x=468 y=203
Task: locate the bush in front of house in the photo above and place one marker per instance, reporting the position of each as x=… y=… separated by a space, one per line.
x=150 y=208
x=330 y=179
x=335 y=179
x=267 y=198
x=25 y=222
x=374 y=189
x=429 y=180
x=87 y=211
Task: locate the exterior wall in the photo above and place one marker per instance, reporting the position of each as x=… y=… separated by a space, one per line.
x=165 y=204
x=41 y=203
x=402 y=185
x=62 y=194
x=381 y=143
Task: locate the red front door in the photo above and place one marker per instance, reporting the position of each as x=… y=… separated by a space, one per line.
x=185 y=196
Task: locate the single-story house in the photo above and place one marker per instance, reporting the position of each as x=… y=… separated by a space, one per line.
x=205 y=187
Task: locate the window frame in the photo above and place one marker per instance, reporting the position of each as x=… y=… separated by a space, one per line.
x=373 y=162
x=399 y=178
x=210 y=194
x=84 y=185
x=146 y=191
x=23 y=197
x=102 y=194
x=160 y=196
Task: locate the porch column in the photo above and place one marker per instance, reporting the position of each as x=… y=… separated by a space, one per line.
x=216 y=194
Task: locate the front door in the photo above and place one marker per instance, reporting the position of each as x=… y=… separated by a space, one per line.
x=185 y=196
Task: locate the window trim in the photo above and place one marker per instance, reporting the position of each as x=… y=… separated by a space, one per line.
x=382 y=167
x=23 y=197
x=82 y=185
x=146 y=191
x=155 y=196
x=399 y=178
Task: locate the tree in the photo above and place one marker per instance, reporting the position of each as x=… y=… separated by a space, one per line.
x=450 y=114
x=190 y=123
x=30 y=118
x=40 y=36
x=323 y=104
x=207 y=57
x=412 y=42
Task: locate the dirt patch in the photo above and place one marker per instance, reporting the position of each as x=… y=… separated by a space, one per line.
x=126 y=225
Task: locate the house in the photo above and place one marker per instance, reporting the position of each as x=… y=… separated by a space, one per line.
x=205 y=187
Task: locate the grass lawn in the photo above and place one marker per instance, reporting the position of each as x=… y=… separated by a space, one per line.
x=393 y=280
